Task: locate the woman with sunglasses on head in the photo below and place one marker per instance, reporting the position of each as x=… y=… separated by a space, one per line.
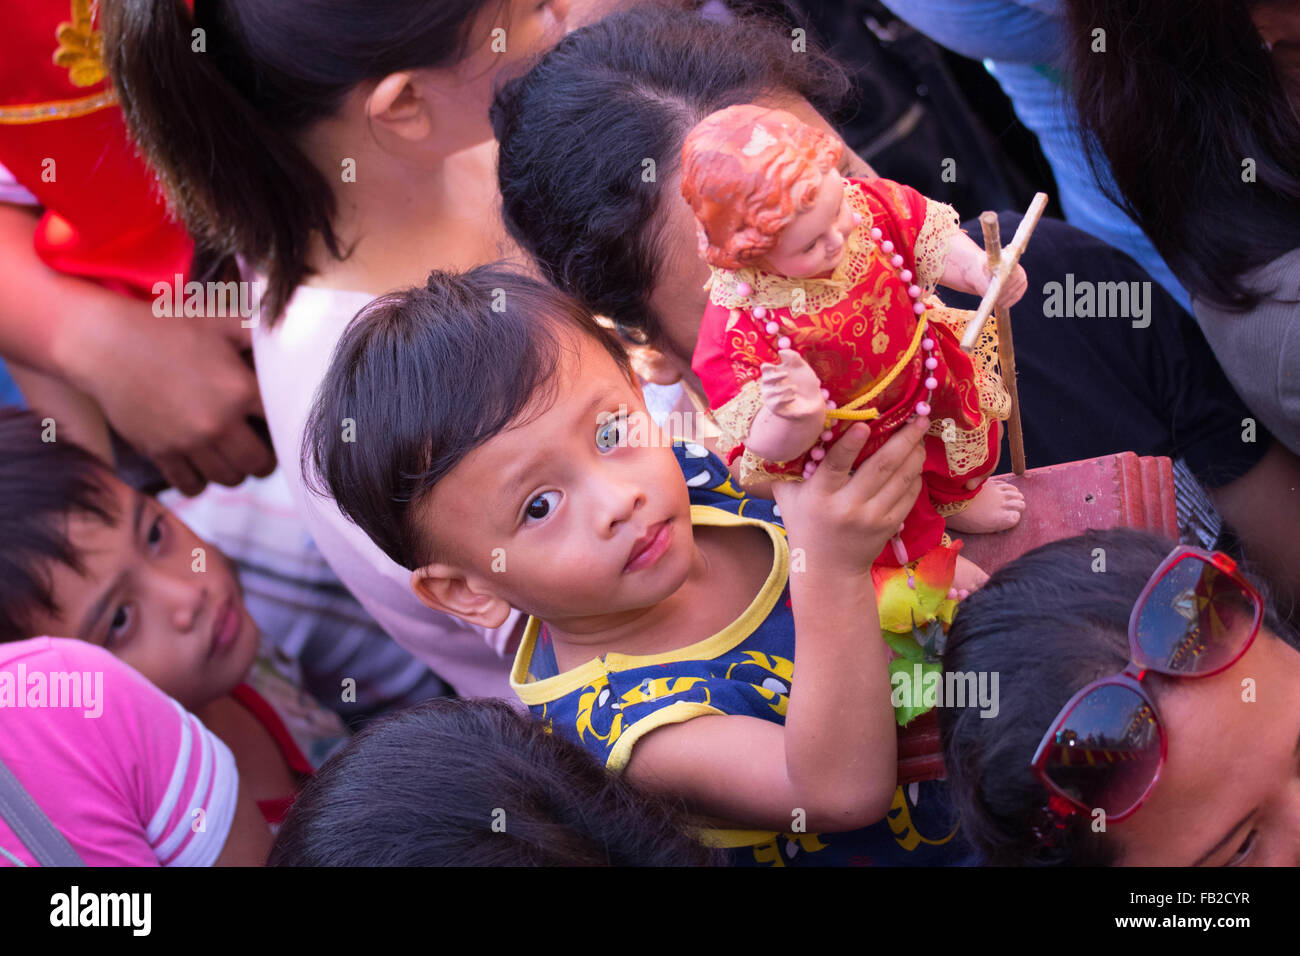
x=1149 y=715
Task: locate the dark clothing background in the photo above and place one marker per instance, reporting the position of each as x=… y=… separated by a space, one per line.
x=1096 y=386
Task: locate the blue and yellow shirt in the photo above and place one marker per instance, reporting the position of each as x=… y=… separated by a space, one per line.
x=608 y=704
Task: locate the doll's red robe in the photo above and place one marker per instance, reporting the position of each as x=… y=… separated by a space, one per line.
x=854 y=328
x=63 y=139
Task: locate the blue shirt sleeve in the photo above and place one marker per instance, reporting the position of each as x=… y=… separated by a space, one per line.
x=1014 y=31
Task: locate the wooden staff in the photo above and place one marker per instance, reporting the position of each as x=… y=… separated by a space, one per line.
x=1002 y=267
x=1009 y=258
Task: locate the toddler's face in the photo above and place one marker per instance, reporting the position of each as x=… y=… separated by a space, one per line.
x=813 y=243
x=177 y=617
x=578 y=514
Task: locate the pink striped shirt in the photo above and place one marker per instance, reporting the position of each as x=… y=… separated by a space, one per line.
x=127 y=775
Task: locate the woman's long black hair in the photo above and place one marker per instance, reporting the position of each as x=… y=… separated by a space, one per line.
x=1191 y=111
x=580 y=130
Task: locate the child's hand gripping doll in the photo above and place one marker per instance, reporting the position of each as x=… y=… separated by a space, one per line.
x=821 y=313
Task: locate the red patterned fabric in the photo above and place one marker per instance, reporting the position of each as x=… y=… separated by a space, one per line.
x=104 y=216
x=851 y=346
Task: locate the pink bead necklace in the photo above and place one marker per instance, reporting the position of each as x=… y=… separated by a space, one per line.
x=781 y=341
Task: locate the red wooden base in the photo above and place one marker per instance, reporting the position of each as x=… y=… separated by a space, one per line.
x=1117 y=491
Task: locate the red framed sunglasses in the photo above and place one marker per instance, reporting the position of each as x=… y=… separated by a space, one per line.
x=1196 y=617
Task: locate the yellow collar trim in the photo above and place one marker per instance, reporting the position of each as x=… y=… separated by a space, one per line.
x=552 y=688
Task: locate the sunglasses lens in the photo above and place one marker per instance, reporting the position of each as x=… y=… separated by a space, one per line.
x=1107 y=749
x=1196 y=619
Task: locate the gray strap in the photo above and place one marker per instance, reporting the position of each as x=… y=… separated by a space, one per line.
x=31 y=825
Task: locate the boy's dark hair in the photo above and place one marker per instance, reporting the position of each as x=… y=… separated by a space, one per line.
x=425 y=376
x=1047 y=625
x=1184 y=94
x=576 y=130
x=41 y=484
x=473 y=783
x=219 y=126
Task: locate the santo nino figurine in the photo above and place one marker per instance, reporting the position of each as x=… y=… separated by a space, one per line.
x=821 y=312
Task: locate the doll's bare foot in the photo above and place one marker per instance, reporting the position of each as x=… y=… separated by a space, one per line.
x=997 y=507
x=966 y=577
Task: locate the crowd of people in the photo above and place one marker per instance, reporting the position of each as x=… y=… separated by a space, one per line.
x=322 y=339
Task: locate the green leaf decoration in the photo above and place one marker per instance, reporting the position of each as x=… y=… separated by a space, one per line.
x=904 y=645
x=906 y=692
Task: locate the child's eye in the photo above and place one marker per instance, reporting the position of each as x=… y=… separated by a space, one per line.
x=119 y=626
x=1243 y=853
x=611 y=433
x=155 y=534
x=809 y=247
x=542 y=505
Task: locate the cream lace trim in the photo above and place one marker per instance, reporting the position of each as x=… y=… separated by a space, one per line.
x=968 y=450
x=950 y=508
x=734 y=420
x=736 y=416
x=931 y=251
x=752 y=467
x=800 y=296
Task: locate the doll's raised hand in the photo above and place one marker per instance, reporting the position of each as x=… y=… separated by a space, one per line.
x=1012 y=290
x=793 y=412
x=791 y=389
x=967 y=270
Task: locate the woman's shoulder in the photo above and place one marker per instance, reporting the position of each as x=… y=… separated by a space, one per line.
x=318 y=306
x=1279 y=280
x=1265 y=330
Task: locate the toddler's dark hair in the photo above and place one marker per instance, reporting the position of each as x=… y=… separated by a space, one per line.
x=424 y=376
x=41 y=484
x=1047 y=624
x=473 y=783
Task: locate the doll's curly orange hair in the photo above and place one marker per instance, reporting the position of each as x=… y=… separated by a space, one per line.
x=743 y=170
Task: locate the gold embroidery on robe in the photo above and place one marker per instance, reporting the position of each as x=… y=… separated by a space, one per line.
x=80 y=50
x=81 y=47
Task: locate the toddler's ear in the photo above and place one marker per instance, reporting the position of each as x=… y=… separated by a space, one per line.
x=442 y=587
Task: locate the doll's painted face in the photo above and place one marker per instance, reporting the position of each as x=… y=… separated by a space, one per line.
x=813 y=243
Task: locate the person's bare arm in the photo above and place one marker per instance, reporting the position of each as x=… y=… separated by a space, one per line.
x=75 y=415
x=249 y=841
x=1263 y=508
x=176 y=389
x=835 y=759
